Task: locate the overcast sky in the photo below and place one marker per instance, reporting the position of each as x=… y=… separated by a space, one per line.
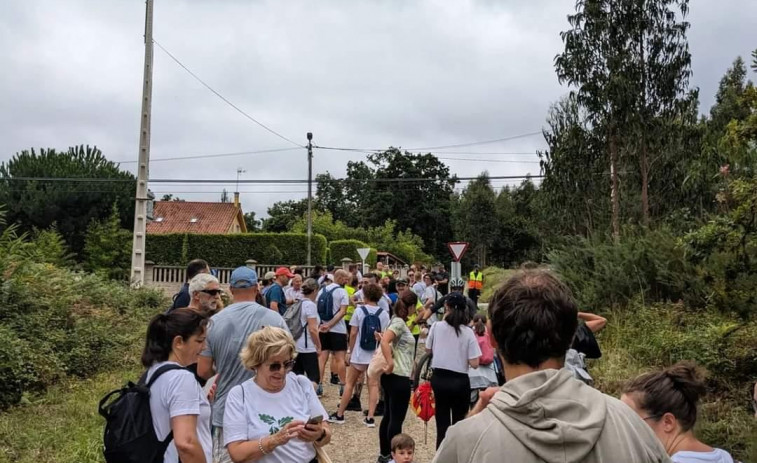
x=365 y=74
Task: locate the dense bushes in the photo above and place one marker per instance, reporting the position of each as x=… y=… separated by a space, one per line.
x=234 y=250
x=56 y=322
x=339 y=249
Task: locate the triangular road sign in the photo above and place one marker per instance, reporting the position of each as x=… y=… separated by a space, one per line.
x=363 y=252
x=457 y=249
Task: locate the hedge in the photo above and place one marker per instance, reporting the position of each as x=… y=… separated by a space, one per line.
x=339 y=249
x=234 y=250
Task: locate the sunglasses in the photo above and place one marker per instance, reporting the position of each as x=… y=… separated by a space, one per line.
x=288 y=365
x=212 y=292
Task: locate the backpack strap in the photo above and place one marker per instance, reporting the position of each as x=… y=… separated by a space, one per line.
x=158 y=373
x=365 y=311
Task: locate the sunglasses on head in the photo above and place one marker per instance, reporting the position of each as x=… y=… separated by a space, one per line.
x=288 y=365
x=212 y=292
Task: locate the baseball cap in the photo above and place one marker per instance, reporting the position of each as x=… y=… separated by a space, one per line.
x=284 y=271
x=243 y=277
x=329 y=276
x=402 y=281
x=269 y=276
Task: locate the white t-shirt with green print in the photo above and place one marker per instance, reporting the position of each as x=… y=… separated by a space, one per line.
x=252 y=413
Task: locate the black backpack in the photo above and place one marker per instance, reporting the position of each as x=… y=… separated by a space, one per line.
x=129 y=433
x=325 y=304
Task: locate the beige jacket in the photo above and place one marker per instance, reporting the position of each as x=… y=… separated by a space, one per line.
x=548 y=416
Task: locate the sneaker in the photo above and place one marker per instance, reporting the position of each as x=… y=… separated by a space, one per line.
x=334 y=418
x=370 y=422
x=384 y=459
x=334 y=379
x=354 y=405
x=319 y=390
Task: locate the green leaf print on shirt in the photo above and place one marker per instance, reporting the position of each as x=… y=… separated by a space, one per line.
x=276 y=425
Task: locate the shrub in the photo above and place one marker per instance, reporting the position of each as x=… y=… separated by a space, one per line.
x=107 y=248
x=234 y=250
x=647 y=263
x=339 y=249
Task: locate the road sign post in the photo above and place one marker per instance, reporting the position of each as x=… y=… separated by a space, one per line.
x=363 y=252
x=457 y=249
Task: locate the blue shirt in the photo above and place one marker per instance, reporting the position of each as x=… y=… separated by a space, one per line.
x=276 y=294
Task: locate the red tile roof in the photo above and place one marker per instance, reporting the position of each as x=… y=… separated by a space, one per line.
x=177 y=217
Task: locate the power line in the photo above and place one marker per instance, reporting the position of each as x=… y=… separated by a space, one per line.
x=224 y=98
x=264 y=181
x=489 y=160
x=219 y=155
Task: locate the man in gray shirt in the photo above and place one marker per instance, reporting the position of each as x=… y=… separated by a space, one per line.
x=227 y=335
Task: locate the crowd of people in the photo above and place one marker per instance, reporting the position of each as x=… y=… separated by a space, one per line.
x=243 y=382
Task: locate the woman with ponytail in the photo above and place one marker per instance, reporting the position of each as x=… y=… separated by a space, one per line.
x=398 y=348
x=667 y=401
x=177 y=402
x=454 y=349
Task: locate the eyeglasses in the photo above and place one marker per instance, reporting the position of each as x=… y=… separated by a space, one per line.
x=651 y=417
x=212 y=292
x=288 y=365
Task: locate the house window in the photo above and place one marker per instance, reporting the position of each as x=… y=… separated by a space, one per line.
x=158 y=219
x=193 y=220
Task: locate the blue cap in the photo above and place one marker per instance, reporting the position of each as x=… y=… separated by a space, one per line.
x=243 y=277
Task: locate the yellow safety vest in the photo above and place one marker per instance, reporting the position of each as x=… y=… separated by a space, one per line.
x=350 y=308
x=476 y=281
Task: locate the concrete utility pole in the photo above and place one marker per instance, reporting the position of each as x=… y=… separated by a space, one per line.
x=310 y=193
x=143 y=167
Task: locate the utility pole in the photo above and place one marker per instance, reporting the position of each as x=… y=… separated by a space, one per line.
x=143 y=167
x=310 y=194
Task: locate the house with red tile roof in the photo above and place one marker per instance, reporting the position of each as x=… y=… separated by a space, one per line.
x=196 y=217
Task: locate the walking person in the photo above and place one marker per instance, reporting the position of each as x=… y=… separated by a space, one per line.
x=308 y=345
x=454 y=348
x=475 y=283
x=227 y=336
x=397 y=347
x=332 y=302
x=275 y=297
x=182 y=298
x=266 y=417
x=177 y=403
x=368 y=319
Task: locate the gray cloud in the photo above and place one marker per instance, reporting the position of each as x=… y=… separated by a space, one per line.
x=361 y=74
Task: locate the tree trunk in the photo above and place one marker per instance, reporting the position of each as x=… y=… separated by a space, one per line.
x=644 y=164
x=614 y=189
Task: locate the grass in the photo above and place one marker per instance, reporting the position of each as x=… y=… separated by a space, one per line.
x=493 y=278
x=63 y=425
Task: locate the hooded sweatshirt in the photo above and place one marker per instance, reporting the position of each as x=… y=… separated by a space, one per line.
x=548 y=416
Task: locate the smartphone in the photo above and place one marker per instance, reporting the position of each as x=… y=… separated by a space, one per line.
x=315 y=419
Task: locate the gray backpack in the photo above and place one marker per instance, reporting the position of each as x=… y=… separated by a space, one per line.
x=293 y=319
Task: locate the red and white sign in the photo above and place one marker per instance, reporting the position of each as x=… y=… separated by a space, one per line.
x=457 y=249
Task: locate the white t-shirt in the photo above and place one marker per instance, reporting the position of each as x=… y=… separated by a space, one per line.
x=176 y=393
x=252 y=413
x=716 y=456
x=431 y=294
x=450 y=351
x=419 y=288
x=360 y=356
x=293 y=294
x=309 y=310
x=384 y=302
x=340 y=298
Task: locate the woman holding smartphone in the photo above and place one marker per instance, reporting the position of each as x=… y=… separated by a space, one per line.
x=275 y=417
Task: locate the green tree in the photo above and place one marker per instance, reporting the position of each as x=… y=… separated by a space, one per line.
x=72 y=205
x=283 y=214
x=414 y=190
x=108 y=247
x=251 y=222
x=475 y=220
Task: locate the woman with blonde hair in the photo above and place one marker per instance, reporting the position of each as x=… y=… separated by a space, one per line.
x=275 y=416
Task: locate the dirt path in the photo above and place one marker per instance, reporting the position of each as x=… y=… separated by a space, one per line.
x=354 y=442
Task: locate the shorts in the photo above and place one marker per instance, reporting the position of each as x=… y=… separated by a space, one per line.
x=220 y=454
x=361 y=367
x=307 y=364
x=334 y=342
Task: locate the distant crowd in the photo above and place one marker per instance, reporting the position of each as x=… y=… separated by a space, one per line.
x=243 y=382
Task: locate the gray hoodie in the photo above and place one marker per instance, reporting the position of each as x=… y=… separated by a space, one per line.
x=548 y=416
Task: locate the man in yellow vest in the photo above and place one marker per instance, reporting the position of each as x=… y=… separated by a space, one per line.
x=475 y=283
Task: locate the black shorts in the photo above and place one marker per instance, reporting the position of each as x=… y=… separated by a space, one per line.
x=307 y=364
x=334 y=342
